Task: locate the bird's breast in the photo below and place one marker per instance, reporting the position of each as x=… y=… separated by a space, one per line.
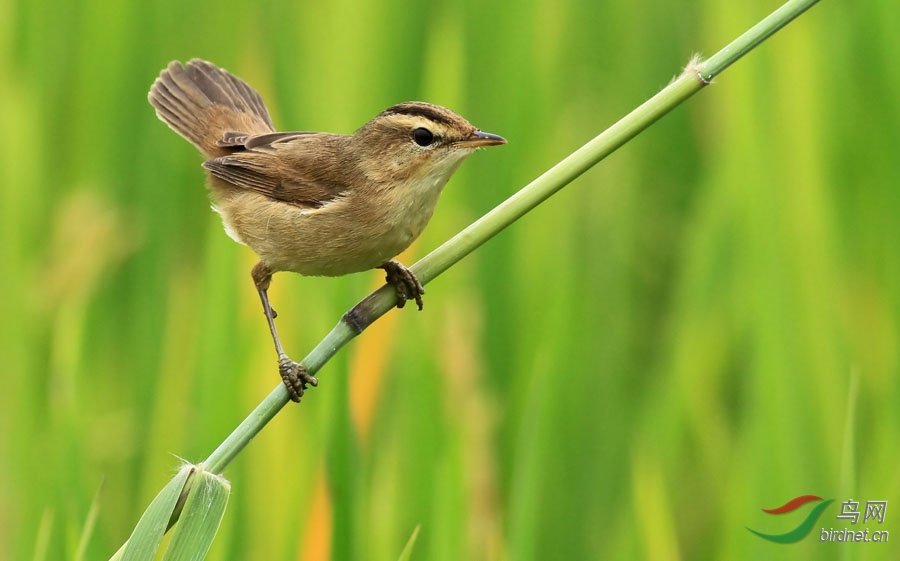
x=359 y=230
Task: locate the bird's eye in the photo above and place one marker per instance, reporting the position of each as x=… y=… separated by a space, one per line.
x=423 y=137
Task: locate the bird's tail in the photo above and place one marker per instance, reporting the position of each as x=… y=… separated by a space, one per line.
x=202 y=102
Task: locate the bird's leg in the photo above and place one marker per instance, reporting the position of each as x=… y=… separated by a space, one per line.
x=404 y=282
x=293 y=374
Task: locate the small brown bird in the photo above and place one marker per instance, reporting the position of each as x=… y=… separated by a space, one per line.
x=315 y=203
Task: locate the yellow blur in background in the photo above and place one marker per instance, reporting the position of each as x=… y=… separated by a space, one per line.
x=703 y=326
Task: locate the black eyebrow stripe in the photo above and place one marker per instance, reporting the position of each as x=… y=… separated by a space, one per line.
x=419 y=111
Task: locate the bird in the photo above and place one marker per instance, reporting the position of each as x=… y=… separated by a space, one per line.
x=315 y=203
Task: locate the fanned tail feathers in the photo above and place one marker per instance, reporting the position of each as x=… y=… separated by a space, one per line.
x=202 y=103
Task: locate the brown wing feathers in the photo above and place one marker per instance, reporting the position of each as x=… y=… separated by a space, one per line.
x=228 y=121
x=263 y=170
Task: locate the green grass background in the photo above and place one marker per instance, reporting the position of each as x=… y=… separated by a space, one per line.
x=703 y=326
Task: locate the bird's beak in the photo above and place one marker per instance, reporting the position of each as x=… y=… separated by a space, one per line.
x=481 y=138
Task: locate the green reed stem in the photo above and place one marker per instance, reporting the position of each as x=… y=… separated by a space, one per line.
x=695 y=76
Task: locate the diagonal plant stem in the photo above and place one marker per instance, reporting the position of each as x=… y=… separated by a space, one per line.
x=696 y=75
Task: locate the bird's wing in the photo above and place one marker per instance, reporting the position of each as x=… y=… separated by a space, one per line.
x=294 y=167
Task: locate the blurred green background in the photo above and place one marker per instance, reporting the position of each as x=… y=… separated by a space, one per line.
x=703 y=326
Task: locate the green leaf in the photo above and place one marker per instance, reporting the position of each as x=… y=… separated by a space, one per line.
x=144 y=541
x=89 y=525
x=200 y=518
x=407 y=551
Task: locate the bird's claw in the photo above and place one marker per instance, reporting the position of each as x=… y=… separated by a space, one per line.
x=295 y=378
x=404 y=282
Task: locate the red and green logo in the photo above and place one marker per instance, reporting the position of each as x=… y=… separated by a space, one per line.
x=803 y=529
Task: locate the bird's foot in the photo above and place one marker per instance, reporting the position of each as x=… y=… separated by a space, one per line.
x=404 y=282
x=295 y=377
